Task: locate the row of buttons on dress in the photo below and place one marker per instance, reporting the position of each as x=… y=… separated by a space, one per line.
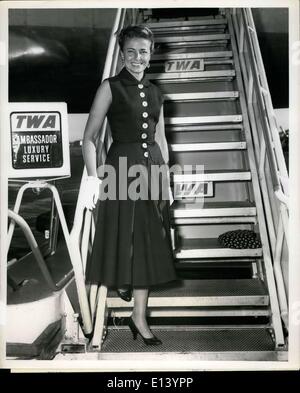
x=144 y=115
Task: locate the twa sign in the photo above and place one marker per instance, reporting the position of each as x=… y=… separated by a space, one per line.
x=184 y=65
x=39 y=142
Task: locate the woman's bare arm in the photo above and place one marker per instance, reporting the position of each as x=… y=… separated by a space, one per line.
x=160 y=136
x=101 y=103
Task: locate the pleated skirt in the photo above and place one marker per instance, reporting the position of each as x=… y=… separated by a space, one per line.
x=132 y=244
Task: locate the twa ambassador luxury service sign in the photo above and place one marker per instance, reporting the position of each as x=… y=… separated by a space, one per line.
x=39 y=140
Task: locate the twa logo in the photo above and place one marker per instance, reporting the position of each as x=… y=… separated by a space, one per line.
x=184 y=65
x=35 y=121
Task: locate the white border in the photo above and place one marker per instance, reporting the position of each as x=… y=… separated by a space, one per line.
x=294 y=272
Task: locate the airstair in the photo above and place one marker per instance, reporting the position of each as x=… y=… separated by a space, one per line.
x=226 y=305
x=229 y=303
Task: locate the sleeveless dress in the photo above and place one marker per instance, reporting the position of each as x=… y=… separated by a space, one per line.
x=132 y=244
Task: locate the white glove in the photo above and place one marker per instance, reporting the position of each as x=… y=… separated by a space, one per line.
x=91 y=192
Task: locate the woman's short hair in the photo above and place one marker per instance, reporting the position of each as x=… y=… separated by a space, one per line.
x=137 y=31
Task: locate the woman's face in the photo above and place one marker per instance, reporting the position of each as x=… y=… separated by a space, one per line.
x=137 y=54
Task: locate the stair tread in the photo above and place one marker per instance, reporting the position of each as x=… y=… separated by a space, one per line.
x=212 y=175
x=211 y=171
x=203 y=293
x=197 y=249
x=205 y=146
x=179 y=208
x=206 y=22
x=190 y=75
x=203 y=119
x=193 y=37
x=192 y=55
x=213 y=288
x=201 y=96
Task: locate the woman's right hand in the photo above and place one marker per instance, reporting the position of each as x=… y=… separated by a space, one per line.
x=91 y=192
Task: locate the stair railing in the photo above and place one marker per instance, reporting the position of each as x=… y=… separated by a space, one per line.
x=273 y=175
x=83 y=229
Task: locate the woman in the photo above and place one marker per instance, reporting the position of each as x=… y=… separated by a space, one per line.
x=132 y=248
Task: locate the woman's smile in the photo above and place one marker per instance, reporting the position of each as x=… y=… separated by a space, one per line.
x=137 y=54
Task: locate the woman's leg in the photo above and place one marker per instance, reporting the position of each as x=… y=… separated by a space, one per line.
x=139 y=311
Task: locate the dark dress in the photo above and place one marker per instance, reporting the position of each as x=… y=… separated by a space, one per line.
x=132 y=244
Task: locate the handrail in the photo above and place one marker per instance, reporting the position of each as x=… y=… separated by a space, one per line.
x=257 y=84
x=83 y=223
x=37 y=253
x=273 y=179
x=264 y=100
x=79 y=211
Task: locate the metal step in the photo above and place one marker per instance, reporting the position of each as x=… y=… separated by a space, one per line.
x=211 y=248
x=204 y=343
x=189 y=23
x=203 y=293
x=191 y=76
x=203 y=119
x=192 y=55
x=210 y=96
x=197 y=312
x=212 y=146
x=215 y=127
x=214 y=220
x=177 y=39
x=212 y=209
x=232 y=175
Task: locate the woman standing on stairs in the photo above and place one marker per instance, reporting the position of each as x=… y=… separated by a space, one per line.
x=132 y=248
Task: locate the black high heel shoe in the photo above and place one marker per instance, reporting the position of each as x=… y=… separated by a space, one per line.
x=125 y=294
x=148 y=341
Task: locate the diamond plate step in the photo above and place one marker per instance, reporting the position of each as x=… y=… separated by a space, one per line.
x=212 y=209
x=212 y=175
x=211 y=146
x=211 y=248
x=204 y=293
x=204 y=343
x=179 y=77
x=192 y=55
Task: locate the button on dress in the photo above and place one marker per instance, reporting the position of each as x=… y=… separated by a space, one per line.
x=132 y=244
